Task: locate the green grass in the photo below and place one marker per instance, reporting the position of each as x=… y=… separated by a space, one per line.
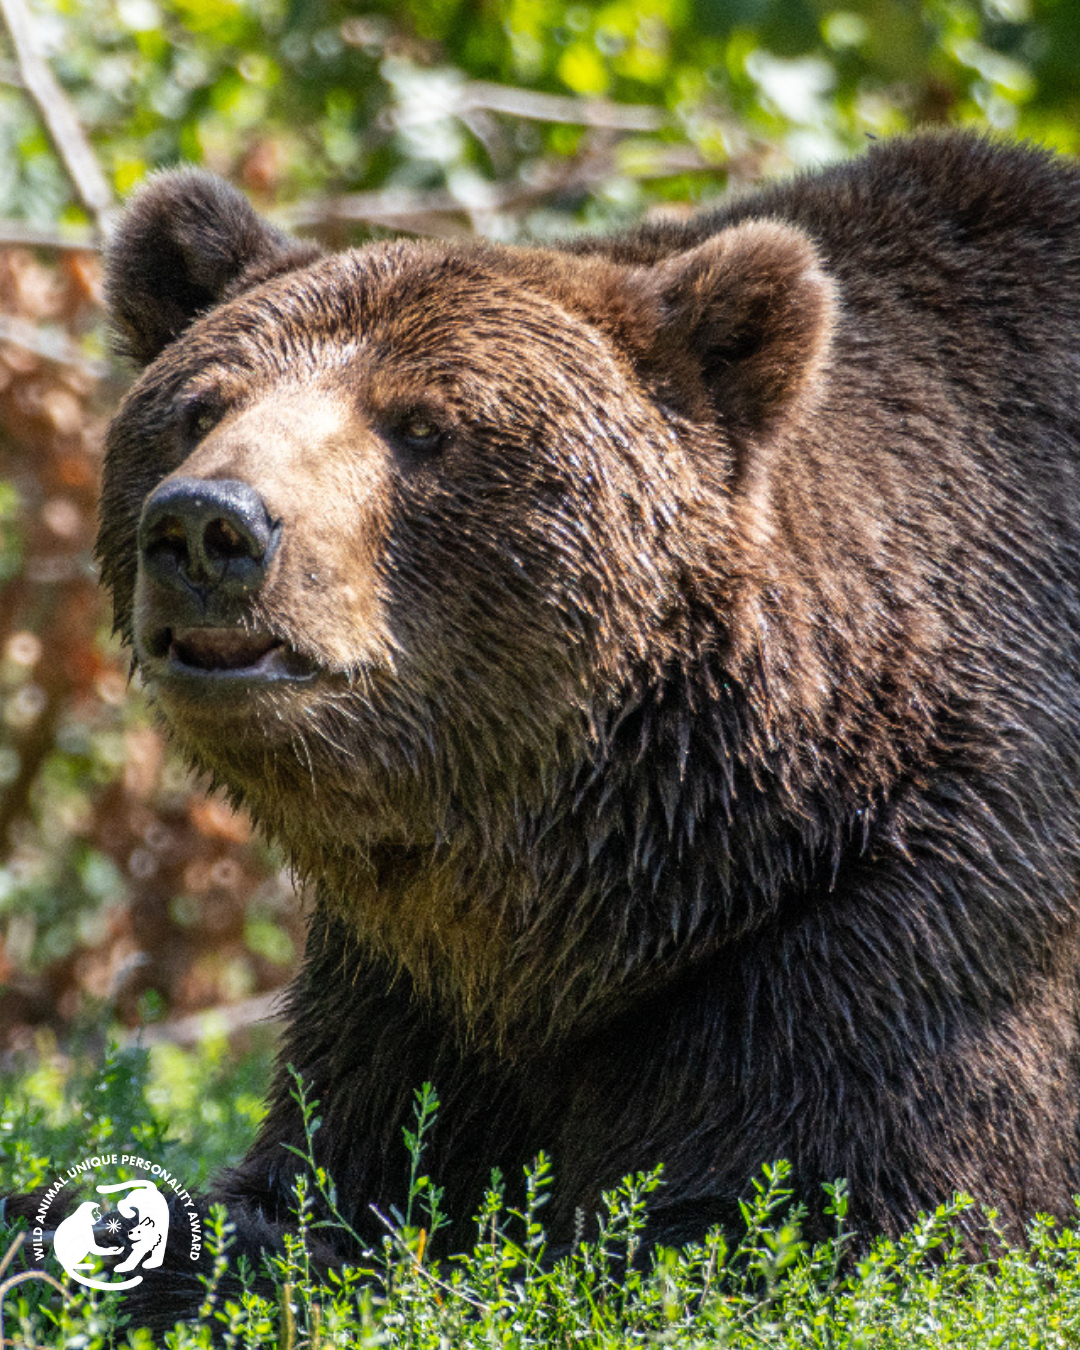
x=763 y=1288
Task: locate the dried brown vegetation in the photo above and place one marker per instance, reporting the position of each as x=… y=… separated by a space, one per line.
x=85 y=780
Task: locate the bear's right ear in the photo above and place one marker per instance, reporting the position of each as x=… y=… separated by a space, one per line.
x=186 y=241
x=752 y=311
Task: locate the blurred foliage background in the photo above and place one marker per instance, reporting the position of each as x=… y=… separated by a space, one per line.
x=124 y=891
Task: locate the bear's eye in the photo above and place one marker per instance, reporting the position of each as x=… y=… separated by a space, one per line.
x=420 y=432
x=200 y=418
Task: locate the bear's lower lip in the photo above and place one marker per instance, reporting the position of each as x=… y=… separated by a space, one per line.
x=226 y=654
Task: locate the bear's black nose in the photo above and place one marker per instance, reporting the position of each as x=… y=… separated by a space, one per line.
x=210 y=534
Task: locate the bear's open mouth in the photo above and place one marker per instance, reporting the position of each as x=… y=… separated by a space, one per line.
x=230 y=652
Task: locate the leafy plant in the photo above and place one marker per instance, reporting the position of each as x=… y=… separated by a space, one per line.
x=766 y=1286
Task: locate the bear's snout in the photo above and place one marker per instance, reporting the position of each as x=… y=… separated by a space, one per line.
x=205 y=549
x=210 y=535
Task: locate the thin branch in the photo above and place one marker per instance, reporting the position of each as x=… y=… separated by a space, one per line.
x=394 y=208
x=54 y=106
x=13 y=1281
x=64 y=239
x=229 y=1017
x=516 y=102
x=582 y=112
x=52 y=344
x=440 y=211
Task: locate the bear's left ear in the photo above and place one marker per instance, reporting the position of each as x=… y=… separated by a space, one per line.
x=186 y=241
x=750 y=312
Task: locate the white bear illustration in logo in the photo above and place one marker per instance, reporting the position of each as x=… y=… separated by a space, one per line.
x=149 y=1235
x=74 y=1238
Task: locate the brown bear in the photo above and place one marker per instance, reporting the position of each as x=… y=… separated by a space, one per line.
x=663 y=654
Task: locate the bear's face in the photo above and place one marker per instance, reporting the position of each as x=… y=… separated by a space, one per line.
x=390 y=531
x=428 y=551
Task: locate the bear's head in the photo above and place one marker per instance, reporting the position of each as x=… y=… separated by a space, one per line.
x=393 y=532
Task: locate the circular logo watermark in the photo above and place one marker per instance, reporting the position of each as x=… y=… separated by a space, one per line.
x=124 y=1233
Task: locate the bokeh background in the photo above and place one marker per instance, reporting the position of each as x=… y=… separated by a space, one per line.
x=127 y=895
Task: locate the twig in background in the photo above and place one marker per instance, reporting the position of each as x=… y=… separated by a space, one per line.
x=440 y=211
x=53 y=344
x=228 y=1019
x=536 y=107
x=63 y=239
x=65 y=130
x=13 y=1281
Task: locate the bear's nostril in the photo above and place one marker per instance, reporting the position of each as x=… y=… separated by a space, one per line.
x=168 y=537
x=225 y=541
x=209 y=534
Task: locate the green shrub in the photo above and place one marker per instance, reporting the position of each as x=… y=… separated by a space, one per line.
x=767 y=1287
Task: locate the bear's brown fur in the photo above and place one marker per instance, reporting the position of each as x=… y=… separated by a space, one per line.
x=662 y=652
